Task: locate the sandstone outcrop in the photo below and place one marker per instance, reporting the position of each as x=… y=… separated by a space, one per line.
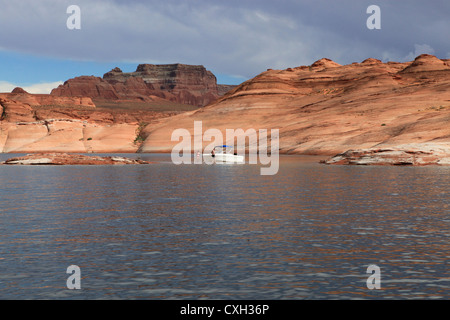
x=326 y=109
x=18 y=90
x=426 y=63
x=323 y=63
x=321 y=109
x=14 y=111
x=18 y=106
x=70 y=159
x=18 y=95
x=413 y=154
x=185 y=84
x=39 y=122
x=86 y=86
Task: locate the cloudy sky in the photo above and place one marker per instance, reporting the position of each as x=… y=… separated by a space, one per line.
x=235 y=39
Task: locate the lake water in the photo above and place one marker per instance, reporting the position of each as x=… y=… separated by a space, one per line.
x=163 y=231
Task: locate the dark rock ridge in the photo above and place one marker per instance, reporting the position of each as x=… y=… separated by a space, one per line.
x=225 y=88
x=18 y=90
x=86 y=86
x=181 y=83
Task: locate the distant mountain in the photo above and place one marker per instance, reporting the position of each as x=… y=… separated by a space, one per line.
x=181 y=83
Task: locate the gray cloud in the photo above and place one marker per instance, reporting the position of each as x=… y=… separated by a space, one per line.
x=231 y=37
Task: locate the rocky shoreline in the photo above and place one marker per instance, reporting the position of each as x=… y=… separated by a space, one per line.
x=69 y=159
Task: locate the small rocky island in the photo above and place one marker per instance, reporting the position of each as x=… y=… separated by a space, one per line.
x=412 y=155
x=69 y=159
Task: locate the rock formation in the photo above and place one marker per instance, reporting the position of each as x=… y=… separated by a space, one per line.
x=426 y=63
x=70 y=159
x=18 y=90
x=323 y=63
x=225 y=88
x=185 y=84
x=413 y=154
x=321 y=109
x=47 y=123
x=18 y=105
x=86 y=86
x=326 y=108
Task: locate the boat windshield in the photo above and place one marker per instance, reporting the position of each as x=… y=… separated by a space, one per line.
x=223 y=149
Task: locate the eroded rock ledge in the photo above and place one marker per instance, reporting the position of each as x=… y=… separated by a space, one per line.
x=69 y=159
x=401 y=155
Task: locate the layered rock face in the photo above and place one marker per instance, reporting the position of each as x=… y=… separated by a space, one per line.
x=321 y=109
x=176 y=82
x=46 y=123
x=18 y=105
x=186 y=84
x=327 y=108
x=86 y=86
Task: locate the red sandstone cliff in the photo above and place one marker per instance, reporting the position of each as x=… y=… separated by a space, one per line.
x=86 y=86
x=324 y=108
x=327 y=108
x=185 y=84
x=48 y=123
x=18 y=105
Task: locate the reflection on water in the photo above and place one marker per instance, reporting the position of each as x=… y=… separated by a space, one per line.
x=224 y=231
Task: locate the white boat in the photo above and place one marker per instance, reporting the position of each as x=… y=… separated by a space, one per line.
x=225 y=154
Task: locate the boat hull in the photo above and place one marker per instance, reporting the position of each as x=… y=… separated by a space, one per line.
x=226 y=158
